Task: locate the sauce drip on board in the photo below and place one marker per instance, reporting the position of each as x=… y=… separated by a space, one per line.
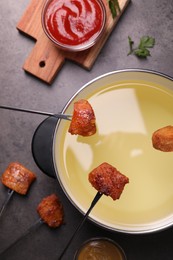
x=74 y=22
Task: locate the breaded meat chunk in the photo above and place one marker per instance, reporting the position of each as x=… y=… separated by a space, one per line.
x=50 y=210
x=108 y=180
x=162 y=139
x=83 y=119
x=18 y=178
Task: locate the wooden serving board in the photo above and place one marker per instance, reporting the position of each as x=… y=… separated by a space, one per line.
x=45 y=59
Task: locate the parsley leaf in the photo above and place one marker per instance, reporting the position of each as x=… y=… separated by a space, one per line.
x=142 y=51
x=146 y=42
x=114 y=7
x=130 y=45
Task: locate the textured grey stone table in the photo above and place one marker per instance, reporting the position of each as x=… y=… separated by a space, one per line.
x=17 y=88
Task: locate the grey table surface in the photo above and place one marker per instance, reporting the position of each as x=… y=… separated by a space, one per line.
x=17 y=88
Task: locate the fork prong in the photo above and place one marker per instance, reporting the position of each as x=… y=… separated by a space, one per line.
x=63 y=116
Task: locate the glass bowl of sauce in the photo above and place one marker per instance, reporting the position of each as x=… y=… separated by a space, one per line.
x=100 y=248
x=73 y=25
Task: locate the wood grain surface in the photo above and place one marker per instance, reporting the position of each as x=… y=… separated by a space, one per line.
x=45 y=59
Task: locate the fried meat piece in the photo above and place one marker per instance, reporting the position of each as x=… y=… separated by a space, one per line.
x=108 y=180
x=18 y=178
x=51 y=211
x=83 y=119
x=162 y=139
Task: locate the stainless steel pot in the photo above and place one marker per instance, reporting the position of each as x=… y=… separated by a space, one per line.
x=129 y=106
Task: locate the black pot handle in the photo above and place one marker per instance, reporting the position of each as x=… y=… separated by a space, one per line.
x=42 y=146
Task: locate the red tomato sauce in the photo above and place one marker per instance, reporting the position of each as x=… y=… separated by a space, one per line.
x=73 y=22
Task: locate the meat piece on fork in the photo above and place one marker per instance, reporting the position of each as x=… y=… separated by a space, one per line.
x=83 y=119
x=162 y=139
x=18 y=178
x=108 y=180
x=51 y=212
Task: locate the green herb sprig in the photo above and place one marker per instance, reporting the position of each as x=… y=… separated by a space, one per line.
x=114 y=7
x=142 y=50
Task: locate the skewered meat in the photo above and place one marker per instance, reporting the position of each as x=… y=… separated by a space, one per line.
x=83 y=119
x=162 y=139
x=18 y=178
x=108 y=180
x=51 y=211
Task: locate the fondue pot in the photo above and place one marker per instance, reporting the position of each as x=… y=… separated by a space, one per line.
x=129 y=106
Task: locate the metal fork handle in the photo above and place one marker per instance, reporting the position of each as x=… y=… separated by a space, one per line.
x=93 y=203
x=9 y=195
x=58 y=115
x=27 y=232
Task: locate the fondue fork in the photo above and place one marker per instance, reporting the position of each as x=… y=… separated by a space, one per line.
x=93 y=203
x=32 y=228
x=40 y=222
x=58 y=115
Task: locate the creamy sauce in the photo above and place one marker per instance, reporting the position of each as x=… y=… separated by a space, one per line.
x=127 y=114
x=100 y=250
